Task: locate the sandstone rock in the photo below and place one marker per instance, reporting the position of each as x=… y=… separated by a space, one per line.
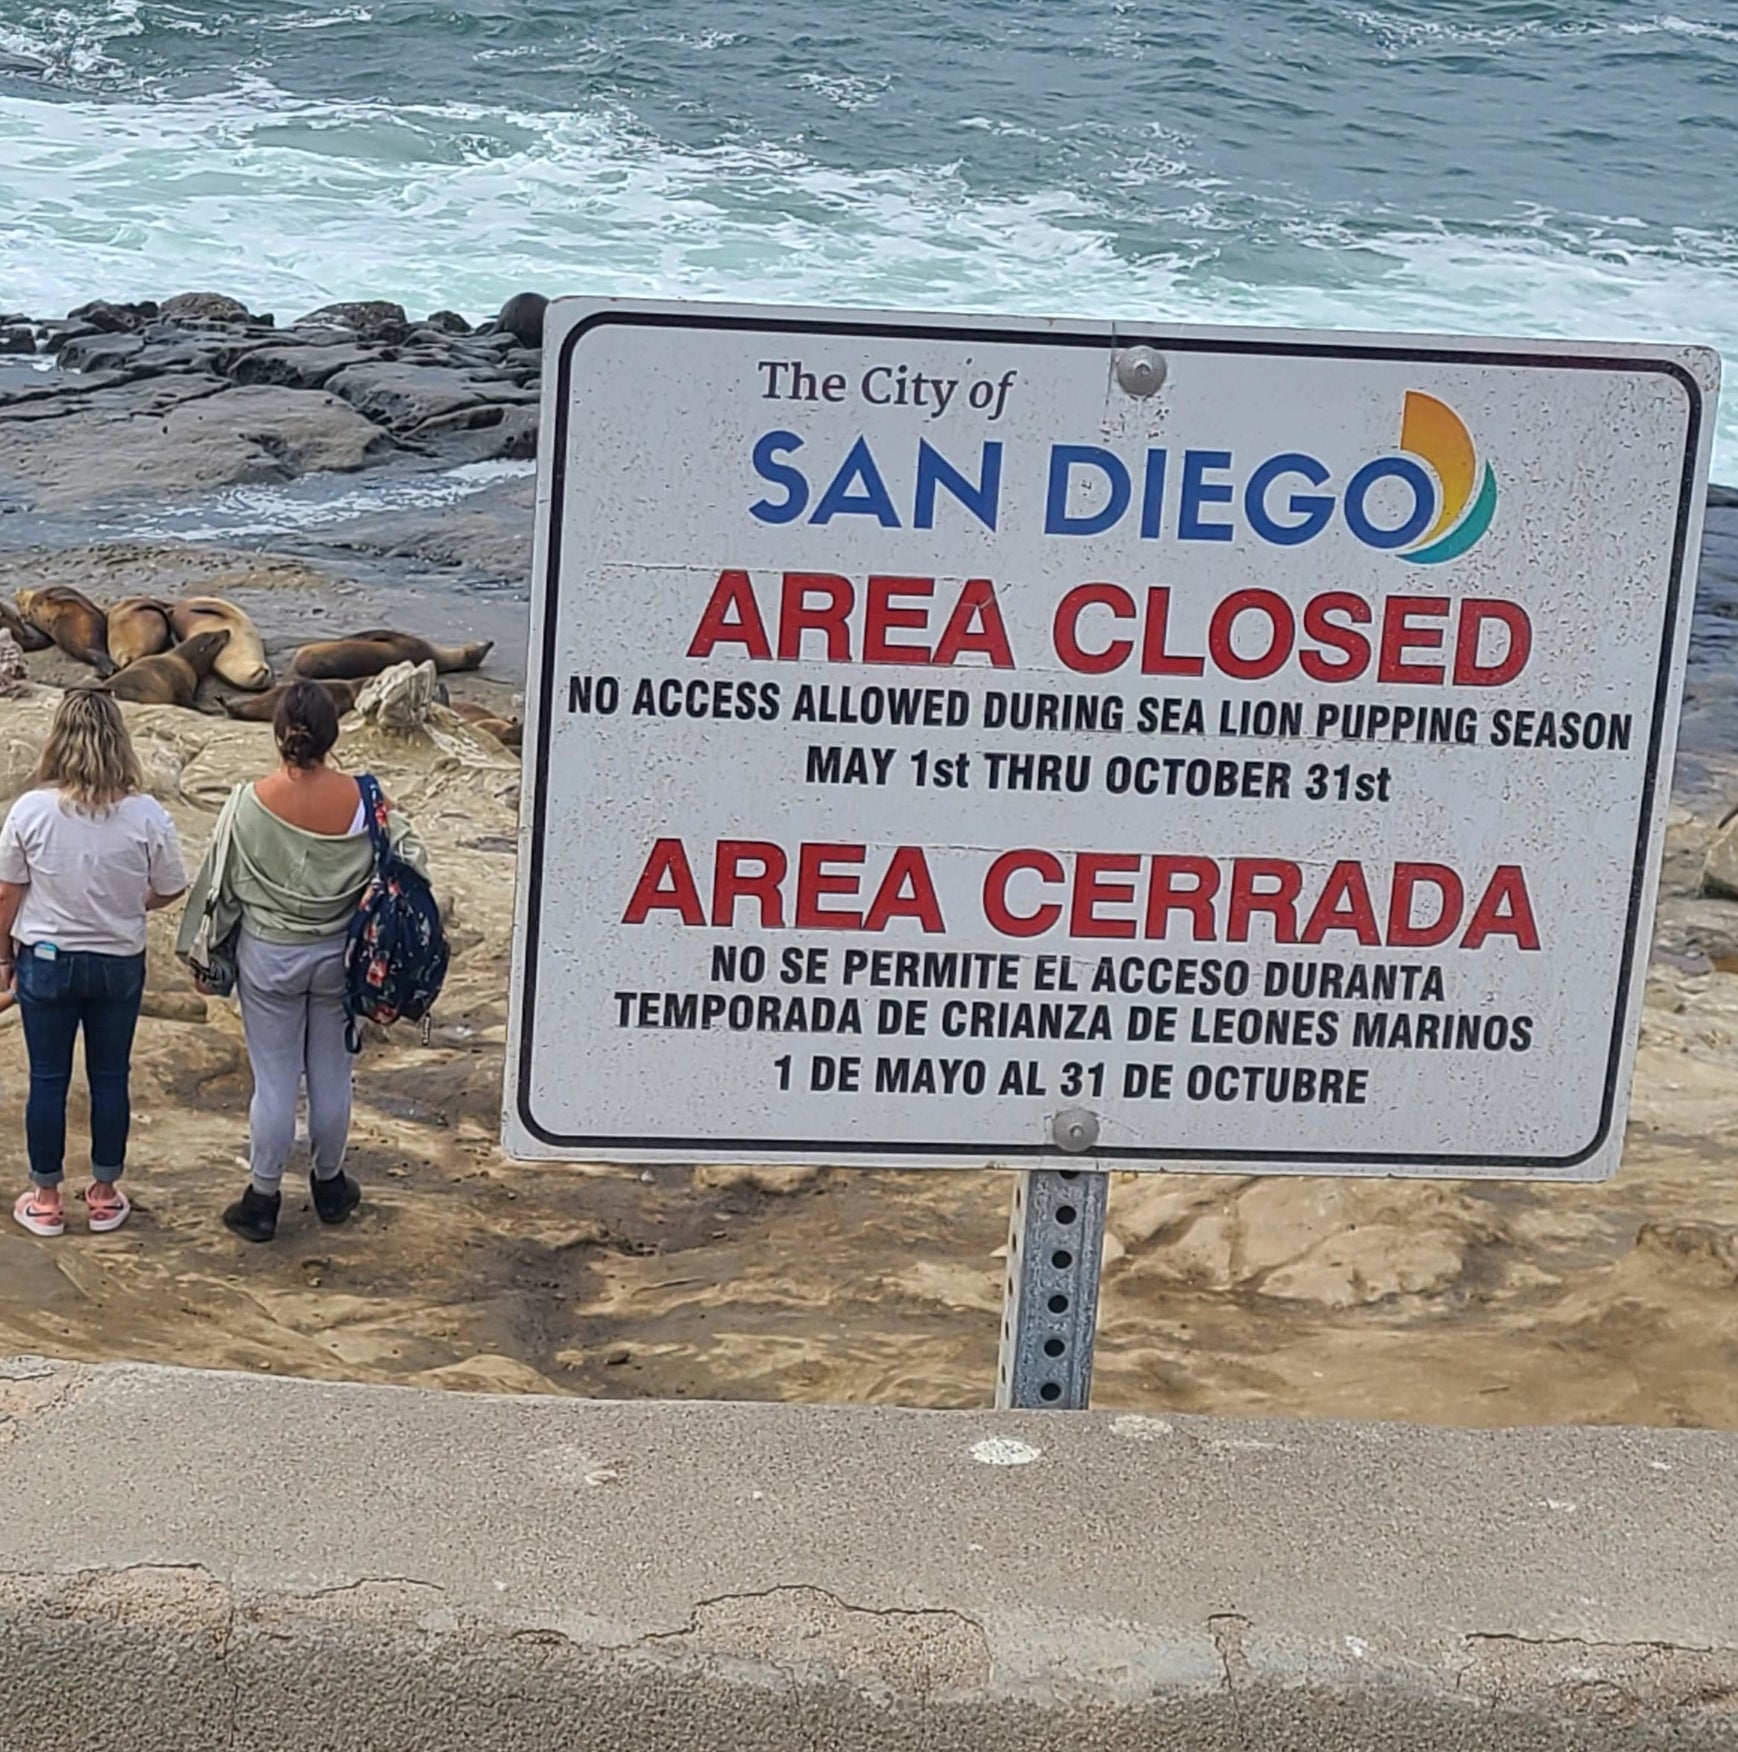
x=447 y=322
x=1711 y=1245
x=14 y=677
x=399 y=698
x=522 y=317
x=1687 y=930
x=208 y=307
x=372 y=319
x=173 y=1006
x=775 y=1180
x=17 y=339
x=1720 y=866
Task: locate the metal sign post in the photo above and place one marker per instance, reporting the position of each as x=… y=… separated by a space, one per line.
x=1050 y=1306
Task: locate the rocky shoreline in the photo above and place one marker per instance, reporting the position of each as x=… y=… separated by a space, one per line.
x=244 y=401
x=198 y=393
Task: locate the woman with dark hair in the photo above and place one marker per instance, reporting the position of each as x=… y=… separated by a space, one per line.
x=299 y=858
x=84 y=856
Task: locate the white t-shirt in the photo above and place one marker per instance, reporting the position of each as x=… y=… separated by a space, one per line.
x=88 y=875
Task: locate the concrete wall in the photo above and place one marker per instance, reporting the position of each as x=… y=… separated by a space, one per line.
x=208 y=1562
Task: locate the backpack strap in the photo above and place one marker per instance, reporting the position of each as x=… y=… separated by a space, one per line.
x=374 y=814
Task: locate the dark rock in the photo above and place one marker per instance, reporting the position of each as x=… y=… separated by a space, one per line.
x=493 y=432
x=1726 y=498
x=101 y=352
x=423 y=347
x=471 y=354
x=112 y=319
x=224 y=349
x=403 y=397
x=59 y=333
x=447 y=322
x=175 y=355
x=183 y=434
x=18 y=339
x=369 y=320
x=300 y=367
x=522 y=318
x=205 y=307
x=486 y=535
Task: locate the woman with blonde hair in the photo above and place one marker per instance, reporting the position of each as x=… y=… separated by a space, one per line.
x=84 y=856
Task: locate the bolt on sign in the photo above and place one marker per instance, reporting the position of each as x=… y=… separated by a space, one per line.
x=962 y=741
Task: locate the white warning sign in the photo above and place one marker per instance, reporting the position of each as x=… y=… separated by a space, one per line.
x=957 y=742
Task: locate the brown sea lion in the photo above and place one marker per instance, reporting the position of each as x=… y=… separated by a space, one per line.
x=509 y=732
x=171 y=678
x=365 y=654
x=73 y=622
x=138 y=627
x=258 y=708
x=242 y=662
x=25 y=636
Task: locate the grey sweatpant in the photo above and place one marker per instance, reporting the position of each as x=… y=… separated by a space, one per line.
x=292 y=1009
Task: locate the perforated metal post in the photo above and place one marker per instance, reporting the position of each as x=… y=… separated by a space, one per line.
x=1050 y=1306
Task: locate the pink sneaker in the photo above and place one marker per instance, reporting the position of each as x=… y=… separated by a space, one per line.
x=106 y=1206
x=40 y=1213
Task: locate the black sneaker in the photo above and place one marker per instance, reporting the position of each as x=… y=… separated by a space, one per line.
x=336 y=1198
x=254 y=1216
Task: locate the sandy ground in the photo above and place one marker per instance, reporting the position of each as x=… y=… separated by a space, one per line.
x=1475 y=1304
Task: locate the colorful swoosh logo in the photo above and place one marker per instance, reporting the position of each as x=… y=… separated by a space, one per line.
x=1432 y=431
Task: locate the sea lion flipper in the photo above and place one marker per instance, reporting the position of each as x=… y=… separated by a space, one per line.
x=26 y=635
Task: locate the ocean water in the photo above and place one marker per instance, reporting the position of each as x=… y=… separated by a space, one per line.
x=1536 y=167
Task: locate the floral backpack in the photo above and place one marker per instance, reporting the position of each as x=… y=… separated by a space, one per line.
x=395 y=958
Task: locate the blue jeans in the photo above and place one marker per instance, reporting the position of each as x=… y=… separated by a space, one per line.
x=101 y=994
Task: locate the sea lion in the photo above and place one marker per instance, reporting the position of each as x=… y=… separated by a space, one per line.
x=171 y=678
x=258 y=708
x=522 y=318
x=242 y=662
x=138 y=627
x=73 y=622
x=24 y=635
x=365 y=654
x=509 y=732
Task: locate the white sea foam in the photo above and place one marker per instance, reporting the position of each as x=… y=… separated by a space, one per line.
x=303 y=506
x=1401 y=30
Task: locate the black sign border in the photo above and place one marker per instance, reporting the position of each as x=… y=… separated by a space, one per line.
x=980 y=1155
